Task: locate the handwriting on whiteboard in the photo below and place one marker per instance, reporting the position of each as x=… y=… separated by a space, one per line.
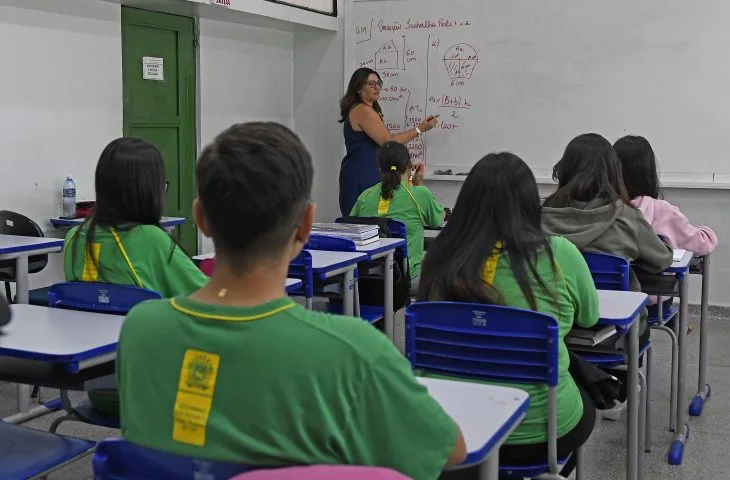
x=426 y=64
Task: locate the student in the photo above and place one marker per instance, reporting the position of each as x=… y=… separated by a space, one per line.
x=242 y=373
x=592 y=209
x=642 y=184
x=493 y=251
x=122 y=242
x=392 y=198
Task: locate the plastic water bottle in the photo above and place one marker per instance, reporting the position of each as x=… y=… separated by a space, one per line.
x=69 y=198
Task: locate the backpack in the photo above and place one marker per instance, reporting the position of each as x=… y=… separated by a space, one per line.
x=371 y=287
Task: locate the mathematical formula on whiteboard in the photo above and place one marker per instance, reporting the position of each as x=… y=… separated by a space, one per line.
x=427 y=66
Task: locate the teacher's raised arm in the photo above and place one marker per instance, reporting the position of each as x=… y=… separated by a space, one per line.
x=364 y=131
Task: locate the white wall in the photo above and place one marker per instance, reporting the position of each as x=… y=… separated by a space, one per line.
x=246 y=73
x=60 y=102
x=318 y=72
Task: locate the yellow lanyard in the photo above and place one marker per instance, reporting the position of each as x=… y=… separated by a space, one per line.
x=126 y=258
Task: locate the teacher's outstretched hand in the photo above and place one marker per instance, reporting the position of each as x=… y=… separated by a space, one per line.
x=364 y=131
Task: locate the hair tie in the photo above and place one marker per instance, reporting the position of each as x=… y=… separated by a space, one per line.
x=392 y=168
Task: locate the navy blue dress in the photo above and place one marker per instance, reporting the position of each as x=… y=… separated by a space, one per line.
x=359 y=170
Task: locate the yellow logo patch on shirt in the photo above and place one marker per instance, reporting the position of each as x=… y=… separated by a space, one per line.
x=91 y=272
x=383 y=206
x=198 y=374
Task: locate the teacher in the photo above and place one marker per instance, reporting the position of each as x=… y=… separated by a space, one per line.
x=364 y=132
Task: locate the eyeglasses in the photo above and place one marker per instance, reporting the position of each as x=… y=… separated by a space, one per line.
x=374 y=83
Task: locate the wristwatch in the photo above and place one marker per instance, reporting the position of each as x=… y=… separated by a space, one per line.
x=418 y=131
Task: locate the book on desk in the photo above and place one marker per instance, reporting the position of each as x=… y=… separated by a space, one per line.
x=360 y=234
x=589 y=338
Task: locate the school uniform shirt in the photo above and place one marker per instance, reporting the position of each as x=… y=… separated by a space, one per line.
x=572 y=300
x=275 y=384
x=142 y=256
x=415 y=206
x=669 y=222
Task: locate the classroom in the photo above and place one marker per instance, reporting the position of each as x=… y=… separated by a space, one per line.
x=224 y=165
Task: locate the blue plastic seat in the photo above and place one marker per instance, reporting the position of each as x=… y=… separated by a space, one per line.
x=491 y=343
x=26 y=452
x=117 y=459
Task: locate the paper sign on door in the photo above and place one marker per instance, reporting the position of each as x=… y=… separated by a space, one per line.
x=153 y=68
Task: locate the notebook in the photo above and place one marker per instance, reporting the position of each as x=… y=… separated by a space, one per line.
x=589 y=338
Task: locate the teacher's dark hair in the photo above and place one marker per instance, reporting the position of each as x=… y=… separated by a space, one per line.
x=639 y=167
x=260 y=172
x=499 y=202
x=352 y=95
x=130 y=191
x=394 y=161
x=589 y=169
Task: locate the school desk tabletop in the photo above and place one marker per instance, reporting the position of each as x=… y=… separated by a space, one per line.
x=165 y=222
x=620 y=308
x=20 y=248
x=381 y=248
x=75 y=340
x=486 y=414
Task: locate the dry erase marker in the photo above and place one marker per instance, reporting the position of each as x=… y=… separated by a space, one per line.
x=433 y=117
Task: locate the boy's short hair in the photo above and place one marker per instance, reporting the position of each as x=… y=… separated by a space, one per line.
x=254 y=181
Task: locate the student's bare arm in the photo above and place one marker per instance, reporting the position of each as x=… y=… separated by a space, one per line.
x=458 y=454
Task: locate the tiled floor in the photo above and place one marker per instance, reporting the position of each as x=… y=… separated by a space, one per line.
x=707 y=455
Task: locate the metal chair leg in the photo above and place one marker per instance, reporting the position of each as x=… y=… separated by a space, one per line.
x=579 y=464
x=649 y=407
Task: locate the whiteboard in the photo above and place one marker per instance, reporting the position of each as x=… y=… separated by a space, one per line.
x=528 y=75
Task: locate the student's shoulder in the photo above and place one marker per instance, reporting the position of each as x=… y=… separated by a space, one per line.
x=72 y=234
x=150 y=235
x=563 y=247
x=148 y=313
x=349 y=336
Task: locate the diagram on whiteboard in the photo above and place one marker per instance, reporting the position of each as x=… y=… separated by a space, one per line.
x=460 y=61
x=427 y=67
x=387 y=57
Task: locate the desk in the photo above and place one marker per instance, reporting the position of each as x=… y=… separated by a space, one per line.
x=701 y=266
x=486 y=414
x=326 y=264
x=76 y=340
x=292 y=284
x=622 y=309
x=165 y=222
x=385 y=248
x=680 y=269
x=20 y=248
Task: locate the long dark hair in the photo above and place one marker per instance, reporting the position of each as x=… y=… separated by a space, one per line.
x=352 y=95
x=394 y=161
x=499 y=202
x=639 y=167
x=130 y=190
x=589 y=169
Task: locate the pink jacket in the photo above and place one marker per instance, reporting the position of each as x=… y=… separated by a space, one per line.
x=673 y=226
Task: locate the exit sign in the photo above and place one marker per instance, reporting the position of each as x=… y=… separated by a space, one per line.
x=222 y=3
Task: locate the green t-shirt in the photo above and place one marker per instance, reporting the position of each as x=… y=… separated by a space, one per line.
x=577 y=302
x=154 y=263
x=414 y=211
x=275 y=384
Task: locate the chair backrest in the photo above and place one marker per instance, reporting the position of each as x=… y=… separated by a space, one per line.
x=301 y=268
x=13 y=223
x=487 y=342
x=4 y=312
x=330 y=243
x=117 y=459
x=98 y=297
x=609 y=272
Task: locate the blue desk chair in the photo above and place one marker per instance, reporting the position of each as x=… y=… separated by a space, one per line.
x=492 y=343
x=117 y=459
x=30 y=453
x=93 y=297
x=611 y=272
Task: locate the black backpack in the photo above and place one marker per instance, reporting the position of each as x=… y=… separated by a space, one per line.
x=371 y=287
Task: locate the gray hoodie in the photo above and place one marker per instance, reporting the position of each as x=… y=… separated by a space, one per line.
x=618 y=229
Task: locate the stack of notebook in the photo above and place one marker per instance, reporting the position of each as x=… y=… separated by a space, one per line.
x=360 y=234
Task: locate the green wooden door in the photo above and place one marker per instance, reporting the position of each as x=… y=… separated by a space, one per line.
x=158 y=64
